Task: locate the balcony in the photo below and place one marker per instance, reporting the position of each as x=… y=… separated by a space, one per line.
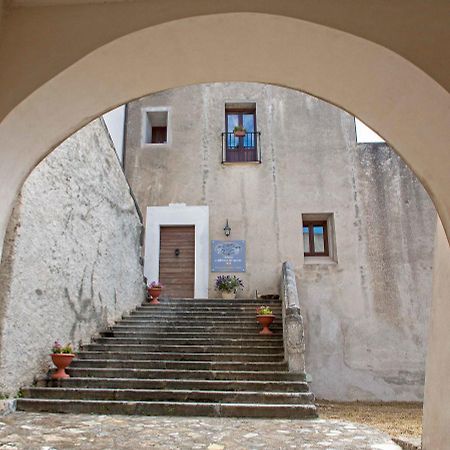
x=241 y=149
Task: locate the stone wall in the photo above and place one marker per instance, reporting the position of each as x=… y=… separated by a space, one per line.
x=366 y=319
x=366 y=310
x=71 y=263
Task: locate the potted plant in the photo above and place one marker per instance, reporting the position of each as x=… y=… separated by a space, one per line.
x=227 y=285
x=239 y=131
x=264 y=315
x=61 y=356
x=154 y=291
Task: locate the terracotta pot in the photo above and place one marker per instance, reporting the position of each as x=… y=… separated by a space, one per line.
x=154 y=294
x=61 y=361
x=240 y=133
x=228 y=295
x=265 y=321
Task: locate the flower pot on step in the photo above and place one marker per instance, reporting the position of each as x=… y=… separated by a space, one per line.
x=228 y=295
x=265 y=321
x=154 y=294
x=61 y=361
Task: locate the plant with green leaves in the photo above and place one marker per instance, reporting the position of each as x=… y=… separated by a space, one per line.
x=264 y=311
x=228 y=283
x=59 y=348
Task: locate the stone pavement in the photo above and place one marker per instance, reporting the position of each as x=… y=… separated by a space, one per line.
x=43 y=431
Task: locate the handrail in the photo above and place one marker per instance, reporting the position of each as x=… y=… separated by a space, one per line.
x=293 y=332
x=246 y=148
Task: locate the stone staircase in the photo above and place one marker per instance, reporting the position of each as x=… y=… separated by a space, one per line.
x=182 y=357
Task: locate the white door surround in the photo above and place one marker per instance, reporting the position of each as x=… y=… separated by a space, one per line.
x=178 y=214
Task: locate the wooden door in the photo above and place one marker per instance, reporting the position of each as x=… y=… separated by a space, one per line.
x=177 y=261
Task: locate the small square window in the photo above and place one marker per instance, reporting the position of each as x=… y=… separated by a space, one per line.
x=315 y=238
x=318 y=238
x=156 y=127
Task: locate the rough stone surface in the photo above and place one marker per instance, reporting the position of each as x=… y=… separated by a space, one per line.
x=365 y=314
x=71 y=258
x=408 y=443
x=50 y=431
x=293 y=333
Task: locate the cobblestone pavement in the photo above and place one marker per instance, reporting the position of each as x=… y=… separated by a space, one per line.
x=80 y=431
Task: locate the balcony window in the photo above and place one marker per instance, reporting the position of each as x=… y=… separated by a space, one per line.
x=240 y=138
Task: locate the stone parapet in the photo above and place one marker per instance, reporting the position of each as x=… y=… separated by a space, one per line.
x=293 y=333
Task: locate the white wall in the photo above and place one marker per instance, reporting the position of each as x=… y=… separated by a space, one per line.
x=115 y=121
x=179 y=214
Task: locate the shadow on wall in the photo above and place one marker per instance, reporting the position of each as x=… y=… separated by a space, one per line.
x=71 y=256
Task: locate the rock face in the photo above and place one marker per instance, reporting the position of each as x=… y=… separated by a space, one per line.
x=71 y=257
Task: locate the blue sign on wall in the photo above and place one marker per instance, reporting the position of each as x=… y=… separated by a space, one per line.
x=227 y=256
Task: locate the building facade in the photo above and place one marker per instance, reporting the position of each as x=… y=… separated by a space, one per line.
x=352 y=218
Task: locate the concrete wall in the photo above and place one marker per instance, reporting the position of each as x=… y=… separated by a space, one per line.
x=383 y=220
x=71 y=260
x=436 y=432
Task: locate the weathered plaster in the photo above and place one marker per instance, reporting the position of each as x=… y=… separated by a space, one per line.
x=71 y=264
x=293 y=330
x=365 y=317
x=436 y=418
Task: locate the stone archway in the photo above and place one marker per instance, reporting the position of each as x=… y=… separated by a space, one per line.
x=399 y=101
x=352 y=73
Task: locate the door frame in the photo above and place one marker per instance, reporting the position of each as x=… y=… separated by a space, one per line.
x=173 y=215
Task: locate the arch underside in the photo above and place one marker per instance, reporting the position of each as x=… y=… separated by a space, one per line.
x=400 y=102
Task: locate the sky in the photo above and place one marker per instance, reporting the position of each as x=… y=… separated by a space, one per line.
x=364 y=134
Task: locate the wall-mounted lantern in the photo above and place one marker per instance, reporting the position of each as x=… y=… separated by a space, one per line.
x=227 y=229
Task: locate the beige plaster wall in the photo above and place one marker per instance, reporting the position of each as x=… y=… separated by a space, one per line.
x=367 y=80
x=71 y=261
x=361 y=342
x=378 y=83
x=436 y=430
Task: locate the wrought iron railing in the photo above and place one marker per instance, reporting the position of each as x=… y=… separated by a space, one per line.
x=246 y=148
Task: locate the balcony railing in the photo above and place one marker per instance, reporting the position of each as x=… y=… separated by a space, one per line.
x=241 y=148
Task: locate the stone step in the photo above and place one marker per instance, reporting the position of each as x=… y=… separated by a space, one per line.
x=186 y=303
x=183 y=322
x=146 y=333
x=280 y=375
x=185 y=348
x=227 y=357
x=201 y=309
x=285 y=411
x=270 y=341
x=179 y=365
x=186 y=384
x=163 y=329
x=194 y=316
x=171 y=395
x=249 y=308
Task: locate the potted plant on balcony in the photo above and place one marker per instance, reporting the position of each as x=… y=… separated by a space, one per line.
x=228 y=285
x=154 y=291
x=264 y=315
x=62 y=356
x=239 y=131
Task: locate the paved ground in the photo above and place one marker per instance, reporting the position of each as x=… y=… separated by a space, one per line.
x=56 y=431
